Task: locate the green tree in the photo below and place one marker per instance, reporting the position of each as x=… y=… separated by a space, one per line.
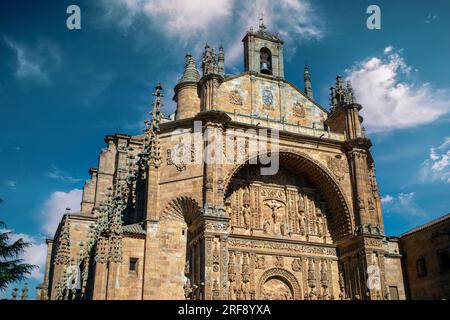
x=12 y=268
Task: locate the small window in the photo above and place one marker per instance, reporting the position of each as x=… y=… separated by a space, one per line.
x=133 y=265
x=421 y=268
x=444 y=260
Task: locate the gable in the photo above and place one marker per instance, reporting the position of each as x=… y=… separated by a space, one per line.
x=264 y=97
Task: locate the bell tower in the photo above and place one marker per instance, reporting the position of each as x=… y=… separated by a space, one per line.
x=263 y=52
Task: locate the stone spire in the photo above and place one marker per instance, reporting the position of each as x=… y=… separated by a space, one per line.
x=190 y=73
x=154 y=148
x=221 y=61
x=308 y=86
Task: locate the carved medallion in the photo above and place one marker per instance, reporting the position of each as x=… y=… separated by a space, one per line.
x=298 y=110
x=235 y=98
x=179 y=156
x=267 y=97
x=337 y=166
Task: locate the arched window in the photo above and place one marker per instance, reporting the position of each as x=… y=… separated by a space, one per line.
x=265 y=58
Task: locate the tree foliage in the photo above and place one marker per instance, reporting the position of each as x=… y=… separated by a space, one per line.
x=12 y=268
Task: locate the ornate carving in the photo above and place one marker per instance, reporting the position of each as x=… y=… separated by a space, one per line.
x=265 y=291
x=260 y=262
x=63 y=249
x=371 y=242
x=235 y=97
x=279 y=261
x=298 y=110
x=216 y=255
x=267 y=98
x=231 y=267
x=280 y=246
x=179 y=156
x=337 y=166
x=297 y=265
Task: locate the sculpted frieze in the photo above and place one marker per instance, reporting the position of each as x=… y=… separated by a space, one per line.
x=289 y=248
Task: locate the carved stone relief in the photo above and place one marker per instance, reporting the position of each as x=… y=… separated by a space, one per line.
x=235 y=98
x=338 y=166
x=298 y=110
x=285 y=207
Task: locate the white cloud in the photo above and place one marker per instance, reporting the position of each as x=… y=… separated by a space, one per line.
x=431 y=18
x=388 y=50
x=54 y=208
x=58 y=174
x=191 y=23
x=403 y=204
x=35 y=62
x=387 y=199
x=35 y=254
x=11 y=184
x=437 y=166
x=389 y=102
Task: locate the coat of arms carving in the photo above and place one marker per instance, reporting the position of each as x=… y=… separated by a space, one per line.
x=235 y=98
x=298 y=110
x=267 y=98
x=338 y=166
x=179 y=156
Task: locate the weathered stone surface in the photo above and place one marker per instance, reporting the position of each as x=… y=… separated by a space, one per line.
x=223 y=230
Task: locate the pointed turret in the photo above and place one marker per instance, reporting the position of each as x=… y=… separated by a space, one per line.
x=190 y=70
x=186 y=96
x=308 y=85
x=221 y=61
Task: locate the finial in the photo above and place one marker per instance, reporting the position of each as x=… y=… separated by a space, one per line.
x=261 y=22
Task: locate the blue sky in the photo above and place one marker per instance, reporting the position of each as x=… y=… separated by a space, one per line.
x=62 y=91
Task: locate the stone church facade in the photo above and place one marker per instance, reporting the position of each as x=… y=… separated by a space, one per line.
x=158 y=222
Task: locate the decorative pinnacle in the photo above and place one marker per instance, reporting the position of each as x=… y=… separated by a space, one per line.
x=308 y=85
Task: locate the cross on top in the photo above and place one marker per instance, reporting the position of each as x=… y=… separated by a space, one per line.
x=261 y=21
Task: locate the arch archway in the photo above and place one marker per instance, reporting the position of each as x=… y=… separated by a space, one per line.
x=179 y=255
x=278 y=284
x=339 y=218
x=265 y=61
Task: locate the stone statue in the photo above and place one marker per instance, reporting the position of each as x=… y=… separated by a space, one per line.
x=300 y=223
x=319 y=227
x=246 y=215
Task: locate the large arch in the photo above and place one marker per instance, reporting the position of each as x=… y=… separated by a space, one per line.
x=176 y=253
x=340 y=220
